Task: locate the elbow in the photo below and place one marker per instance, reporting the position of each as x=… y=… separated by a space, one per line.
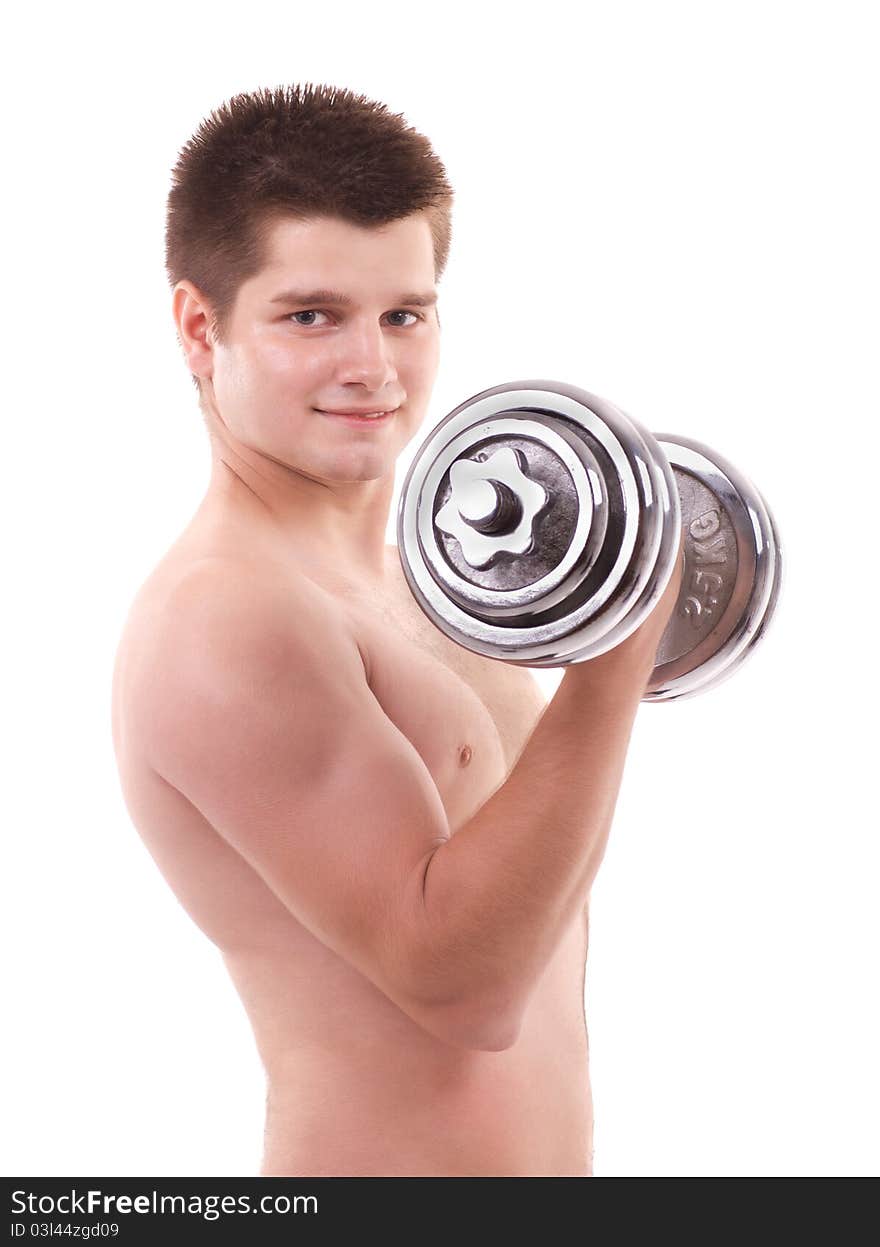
x=484 y=1018
x=476 y=1029
x=497 y=1037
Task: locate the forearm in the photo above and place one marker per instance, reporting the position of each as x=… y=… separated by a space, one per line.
x=497 y=897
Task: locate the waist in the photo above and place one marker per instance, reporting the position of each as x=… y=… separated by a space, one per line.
x=523 y=1112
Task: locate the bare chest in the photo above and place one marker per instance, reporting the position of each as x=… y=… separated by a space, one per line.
x=468 y=717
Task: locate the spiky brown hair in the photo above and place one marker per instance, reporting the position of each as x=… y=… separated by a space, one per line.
x=292 y=152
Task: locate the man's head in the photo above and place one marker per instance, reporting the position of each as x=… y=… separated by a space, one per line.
x=309 y=189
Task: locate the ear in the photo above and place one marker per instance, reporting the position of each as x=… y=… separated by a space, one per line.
x=193 y=317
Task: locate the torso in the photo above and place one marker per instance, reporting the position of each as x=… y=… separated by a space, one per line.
x=355 y=1087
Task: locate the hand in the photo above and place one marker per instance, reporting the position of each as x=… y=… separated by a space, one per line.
x=636 y=655
x=650 y=631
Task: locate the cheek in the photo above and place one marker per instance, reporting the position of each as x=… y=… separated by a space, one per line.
x=423 y=363
x=288 y=362
x=233 y=384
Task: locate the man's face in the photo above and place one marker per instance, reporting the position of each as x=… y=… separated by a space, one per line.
x=292 y=359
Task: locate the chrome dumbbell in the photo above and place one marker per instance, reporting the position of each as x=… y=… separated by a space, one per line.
x=539 y=524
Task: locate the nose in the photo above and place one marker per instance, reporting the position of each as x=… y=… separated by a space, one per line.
x=366 y=358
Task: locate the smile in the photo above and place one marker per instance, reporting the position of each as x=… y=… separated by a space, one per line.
x=357 y=418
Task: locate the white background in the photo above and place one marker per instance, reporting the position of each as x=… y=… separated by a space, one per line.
x=674 y=206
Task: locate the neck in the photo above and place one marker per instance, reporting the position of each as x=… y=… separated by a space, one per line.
x=338 y=525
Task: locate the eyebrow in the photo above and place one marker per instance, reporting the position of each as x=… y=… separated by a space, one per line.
x=338 y=299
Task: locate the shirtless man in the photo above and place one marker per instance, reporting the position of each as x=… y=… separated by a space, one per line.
x=390 y=839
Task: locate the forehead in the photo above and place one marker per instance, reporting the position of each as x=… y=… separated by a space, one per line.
x=329 y=251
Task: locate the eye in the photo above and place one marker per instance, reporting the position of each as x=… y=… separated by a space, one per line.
x=311 y=312
x=403 y=312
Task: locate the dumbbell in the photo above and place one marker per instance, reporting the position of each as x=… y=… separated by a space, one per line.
x=539 y=524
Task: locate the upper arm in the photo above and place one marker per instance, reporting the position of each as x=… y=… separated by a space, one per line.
x=258 y=710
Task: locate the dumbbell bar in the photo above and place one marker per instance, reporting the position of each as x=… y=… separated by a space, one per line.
x=539 y=524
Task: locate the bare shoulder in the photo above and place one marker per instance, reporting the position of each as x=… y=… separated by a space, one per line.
x=228 y=617
x=258 y=603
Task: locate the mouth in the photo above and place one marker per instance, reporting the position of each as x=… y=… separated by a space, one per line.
x=359 y=417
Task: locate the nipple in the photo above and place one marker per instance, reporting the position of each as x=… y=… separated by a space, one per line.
x=465 y=754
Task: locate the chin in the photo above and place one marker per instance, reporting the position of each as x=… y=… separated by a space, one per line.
x=362 y=478
x=350 y=474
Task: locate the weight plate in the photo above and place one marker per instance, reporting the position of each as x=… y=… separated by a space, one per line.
x=606 y=568
x=732 y=577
